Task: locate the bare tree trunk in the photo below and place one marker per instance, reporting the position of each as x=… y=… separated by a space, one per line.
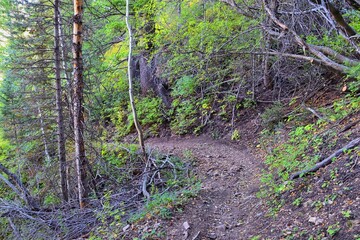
x=78 y=104
x=64 y=54
x=136 y=121
x=60 y=117
x=69 y=98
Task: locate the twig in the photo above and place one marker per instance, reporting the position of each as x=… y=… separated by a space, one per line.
x=196 y=235
x=318 y=115
x=327 y=160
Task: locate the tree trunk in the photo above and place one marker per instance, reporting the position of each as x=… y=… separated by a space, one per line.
x=136 y=122
x=78 y=104
x=59 y=109
x=64 y=56
x=69 y=98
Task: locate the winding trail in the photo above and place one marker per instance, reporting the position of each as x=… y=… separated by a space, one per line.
x=227 y=207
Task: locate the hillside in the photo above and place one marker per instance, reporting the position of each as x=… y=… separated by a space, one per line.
x=192 y=119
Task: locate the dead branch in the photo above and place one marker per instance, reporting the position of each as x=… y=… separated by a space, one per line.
x=327 y=160
x=301 y=42
x=12 y=187
x=339 y=57
x=30 y=201
x=63 y=223
x=318 y=115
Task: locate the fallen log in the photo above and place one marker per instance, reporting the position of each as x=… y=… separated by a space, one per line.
x=327 y=160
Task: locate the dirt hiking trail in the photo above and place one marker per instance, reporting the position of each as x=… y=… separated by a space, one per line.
x=227 y=206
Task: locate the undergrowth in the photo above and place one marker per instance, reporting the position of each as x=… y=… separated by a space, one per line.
x=310 y=140
x=170 y=184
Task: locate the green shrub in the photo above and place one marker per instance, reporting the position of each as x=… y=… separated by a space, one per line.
x=185 y=117
x=150 y=115
x=272 y=115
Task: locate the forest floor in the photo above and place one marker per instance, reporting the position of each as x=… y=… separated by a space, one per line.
x=227 y=206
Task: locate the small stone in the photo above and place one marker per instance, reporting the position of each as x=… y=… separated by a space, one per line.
x=316 y=220
x=186 y=225
x=212 y=236
x=156 y=225
x=221 y=227
x=126 y=228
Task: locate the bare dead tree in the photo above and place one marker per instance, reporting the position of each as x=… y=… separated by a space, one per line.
x=59 y=109
x=82 y=184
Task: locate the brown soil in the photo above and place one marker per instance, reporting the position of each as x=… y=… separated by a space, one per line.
x=227 y=206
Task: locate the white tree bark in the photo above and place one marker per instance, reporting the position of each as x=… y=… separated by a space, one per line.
x=136 y=121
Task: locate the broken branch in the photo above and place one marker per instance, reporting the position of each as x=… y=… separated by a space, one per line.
x=327 y=160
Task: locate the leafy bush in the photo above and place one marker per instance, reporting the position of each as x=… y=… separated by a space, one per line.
x=185 y=116
x=185 y=86
x=272 y=115
x=150 y=115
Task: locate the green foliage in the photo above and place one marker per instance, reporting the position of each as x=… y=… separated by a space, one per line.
x=301 y=150
x=272 y=115
x=150 y=114
x=354 y=19
x=118 y=154
x=235 y=135
x=346 y=213
x=333 y=229
x=297 y=202
x=163 y=205
x=51 y=200
x=110 y=220
x=185 y=116
x=185 y=87
x=334 y=41
x=342 y=107
x=179 y=190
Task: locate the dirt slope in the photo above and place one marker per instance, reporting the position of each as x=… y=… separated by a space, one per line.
x=227 y=207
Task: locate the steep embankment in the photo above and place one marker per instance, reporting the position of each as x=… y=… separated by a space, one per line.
x=227 y=207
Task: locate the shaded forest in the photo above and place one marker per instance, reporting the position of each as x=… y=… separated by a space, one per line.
x=84 y=83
